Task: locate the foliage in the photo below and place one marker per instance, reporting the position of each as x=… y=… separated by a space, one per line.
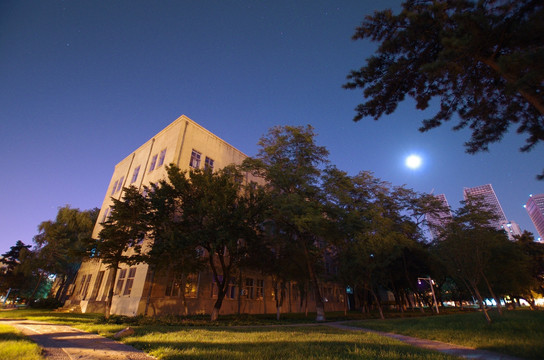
x=124 y=230
x=481 y=59
x=289 y=161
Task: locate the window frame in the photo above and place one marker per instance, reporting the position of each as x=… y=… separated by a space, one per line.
x=196 y=157
x=135 y=174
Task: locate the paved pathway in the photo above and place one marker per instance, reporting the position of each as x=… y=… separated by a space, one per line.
x=450 y=349
x=62 y=342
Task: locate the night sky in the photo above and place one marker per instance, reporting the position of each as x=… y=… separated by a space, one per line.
x=84 y=83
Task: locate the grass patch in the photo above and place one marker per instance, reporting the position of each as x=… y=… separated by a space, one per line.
x=14 y=346
x=518 y=333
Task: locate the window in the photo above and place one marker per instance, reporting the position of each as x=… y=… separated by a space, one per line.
x=120 y=184
x=120 y=281
x=174 y=285
x=130 y=281
x=97 y=284
x=195 y=159
x=259 y=289
x=135 y=175
x=153 y=162
x=208 y=164
x=114 y=188
x=82 y=284
x=106 y=213
x=249 y=289
x=86 y=286
x=161 y=158
x=231 y=292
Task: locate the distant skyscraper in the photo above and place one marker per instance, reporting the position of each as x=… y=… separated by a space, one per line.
x=486 y=194
x=512 y=229
x=437 y=221
x=535 y=208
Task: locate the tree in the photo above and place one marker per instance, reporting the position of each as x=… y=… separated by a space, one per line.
x=13 y=275
x=220 y=215
x=289 y=161
x=63 y=243
x=481 y=59
x=124 y=230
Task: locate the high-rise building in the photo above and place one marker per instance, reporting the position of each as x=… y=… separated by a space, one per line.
x=512 y=229
x=486 y=195
x=438 y=220
x=535 y=208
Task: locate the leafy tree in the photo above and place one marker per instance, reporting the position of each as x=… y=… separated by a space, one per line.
x=219 y=214
x=13 y=275
x=481 y=59
x=63 y=243
x=122 y=235
x=289 y=161
x=534 y=251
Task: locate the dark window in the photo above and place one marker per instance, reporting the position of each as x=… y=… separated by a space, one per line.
x=259 y=289
x=195 y=159
x=249 y=289
x=114 y=188
x=161 y=158
x=153 y=162
x=120 y=281
x=208 y=164
x=120 y=184
x=130 y=281
x=135 y=175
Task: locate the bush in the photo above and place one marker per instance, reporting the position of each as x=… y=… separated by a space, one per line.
x=49 y=303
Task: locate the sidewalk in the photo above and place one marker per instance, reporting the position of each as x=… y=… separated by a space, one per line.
x=62 y=342
x=450 y=349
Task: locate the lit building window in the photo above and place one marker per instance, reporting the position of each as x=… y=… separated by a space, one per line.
x=195 y=159
x=259 y=289
x=208 y=164
x=153 y=162
x=135 y=175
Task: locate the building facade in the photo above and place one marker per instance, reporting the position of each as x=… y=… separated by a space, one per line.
x=486 y=194
x=437 y=221
x=535 y=209
x=136 y=291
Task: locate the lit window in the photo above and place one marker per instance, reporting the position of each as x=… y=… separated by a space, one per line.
x=114 y=188
x=120 y=184
x=161 y=158
x=208 y=164
x=135 y=175
x=195 y=159
x=120 y=281
x=153 y=162
x=130 y=281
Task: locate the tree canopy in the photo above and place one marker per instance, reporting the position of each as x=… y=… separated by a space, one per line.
x=482 y=60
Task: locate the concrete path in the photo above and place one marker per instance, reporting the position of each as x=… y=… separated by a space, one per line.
x=61 y=342
x=450 y=349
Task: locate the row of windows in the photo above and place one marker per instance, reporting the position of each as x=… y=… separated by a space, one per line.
x=195 y=161
x=156 y=162
x=251 y=289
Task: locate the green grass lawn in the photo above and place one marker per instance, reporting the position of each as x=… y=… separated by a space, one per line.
x=519 y=333
x=14 y=346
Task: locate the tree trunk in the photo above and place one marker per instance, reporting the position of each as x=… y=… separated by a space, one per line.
x=481 y=302
x=497 y=300
x=148 y=298
x=377 y=303
x=31 y=298
x=109 y=299
x=182 y=293
x=319 y=306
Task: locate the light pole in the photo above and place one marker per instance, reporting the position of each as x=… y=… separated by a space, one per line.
x=431 y=282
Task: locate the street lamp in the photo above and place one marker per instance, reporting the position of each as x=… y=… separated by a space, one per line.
x=431 y=282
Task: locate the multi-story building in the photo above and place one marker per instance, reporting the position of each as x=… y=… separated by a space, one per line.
x=535 y=208
x=486 y=195
x=438 y=220
x=512 y=229
x=187 y=145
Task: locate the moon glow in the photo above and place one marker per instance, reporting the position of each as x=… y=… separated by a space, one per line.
x=413 y=161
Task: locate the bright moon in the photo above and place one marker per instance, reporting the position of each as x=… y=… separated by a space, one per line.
x=413 y=161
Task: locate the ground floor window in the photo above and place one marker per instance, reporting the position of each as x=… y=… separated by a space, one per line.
x=120 y=281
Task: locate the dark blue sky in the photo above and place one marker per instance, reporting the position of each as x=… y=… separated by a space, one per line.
x=84 y=83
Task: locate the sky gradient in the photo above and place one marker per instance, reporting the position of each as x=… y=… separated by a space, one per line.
x=84 y=83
